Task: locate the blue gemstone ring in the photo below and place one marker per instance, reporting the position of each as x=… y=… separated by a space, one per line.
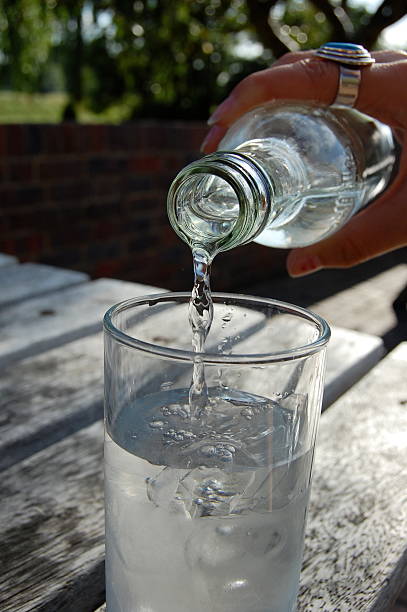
x=350 y=58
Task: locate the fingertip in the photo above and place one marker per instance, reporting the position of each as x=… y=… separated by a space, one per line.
x=213 y=138
x=302 y=264
x=220 y=112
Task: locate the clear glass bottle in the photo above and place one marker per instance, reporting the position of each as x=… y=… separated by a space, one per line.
x=285 y=175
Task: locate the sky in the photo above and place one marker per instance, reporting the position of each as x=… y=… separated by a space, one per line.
x=396 y=35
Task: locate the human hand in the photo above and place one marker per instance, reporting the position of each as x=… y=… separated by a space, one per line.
x=382 y=226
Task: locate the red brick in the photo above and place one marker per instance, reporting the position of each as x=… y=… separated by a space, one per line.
x=93 y=138
x=34 y=242
x=75 y=190
x=108 y=268
x=10 y=246
x=3 y=140
x=105 y=186
x=25 y=219
x=23 y=195
x=72 y=137
x=146 y=164
x=21 y=171
x=4 y=224
x=60 y=169
x=53 y=140
x=16 y=141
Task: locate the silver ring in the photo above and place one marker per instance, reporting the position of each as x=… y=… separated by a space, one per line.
x=348 y=56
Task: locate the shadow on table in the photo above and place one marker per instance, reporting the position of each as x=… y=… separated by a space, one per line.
x=316 y=287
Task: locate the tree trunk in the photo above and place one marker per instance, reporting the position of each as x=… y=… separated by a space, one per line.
x=259 y=14
x=387 y=13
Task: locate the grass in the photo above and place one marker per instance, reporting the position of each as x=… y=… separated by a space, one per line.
x=17 y=107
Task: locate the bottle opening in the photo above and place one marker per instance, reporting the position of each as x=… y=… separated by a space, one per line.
x=219 y=201
x=207 y=208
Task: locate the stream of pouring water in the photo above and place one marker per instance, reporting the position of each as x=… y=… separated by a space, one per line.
x=200 y=318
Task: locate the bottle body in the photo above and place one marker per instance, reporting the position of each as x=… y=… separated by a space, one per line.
x=314 y=167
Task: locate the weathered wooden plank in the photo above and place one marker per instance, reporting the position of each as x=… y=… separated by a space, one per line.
x=30 y=280
x=35 y=325
x=52 y=520
x=7 y=260
x=365 y=306
x=49 y=396
x=356 y=547
x=350 y=356
x=45 y=398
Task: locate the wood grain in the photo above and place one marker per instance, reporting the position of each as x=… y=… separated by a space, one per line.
x=35 y=325
x=350 y=356
x=45 y=398
x=51 y=523
x=29 y=280
x=356 y=547
x=366 y=305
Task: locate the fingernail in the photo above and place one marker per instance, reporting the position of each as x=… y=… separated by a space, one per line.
x=214 y=117
x=219 y=112
x=212 y=138
x=204 y=143
x=301 y=266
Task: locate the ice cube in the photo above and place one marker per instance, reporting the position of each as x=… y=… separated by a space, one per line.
x=213 y=492
x=162 y=490
x=228 y=544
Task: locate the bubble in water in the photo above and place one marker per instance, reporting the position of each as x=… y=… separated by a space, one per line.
x=176 y=410
x=222 y=344
x=213 y=492
x=224 y=530
x=179 y=435
x=227 y=317
x=156 y=424
x=247 y=413
x=221 y=451
x=208 y=451
x=167 y=384
x=225 y=454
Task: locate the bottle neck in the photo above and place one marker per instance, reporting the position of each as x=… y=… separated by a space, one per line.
x=220 y=201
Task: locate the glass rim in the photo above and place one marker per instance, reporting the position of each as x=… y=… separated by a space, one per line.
x=296 y=353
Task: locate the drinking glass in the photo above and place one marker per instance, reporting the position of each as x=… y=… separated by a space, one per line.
x=206 y=500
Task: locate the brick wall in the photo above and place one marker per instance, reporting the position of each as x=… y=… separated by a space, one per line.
x=92 y=198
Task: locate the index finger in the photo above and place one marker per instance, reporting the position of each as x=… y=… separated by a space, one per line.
x=304 y=76
x=291 y=80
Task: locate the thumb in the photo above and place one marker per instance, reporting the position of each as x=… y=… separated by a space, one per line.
x=380 y=228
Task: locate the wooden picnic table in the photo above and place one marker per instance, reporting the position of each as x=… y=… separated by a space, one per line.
x=51 y=431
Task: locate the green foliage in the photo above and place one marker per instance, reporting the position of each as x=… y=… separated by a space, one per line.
x=163 y=58
x=307 y=26
x=168 y=54
x=25 y=40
